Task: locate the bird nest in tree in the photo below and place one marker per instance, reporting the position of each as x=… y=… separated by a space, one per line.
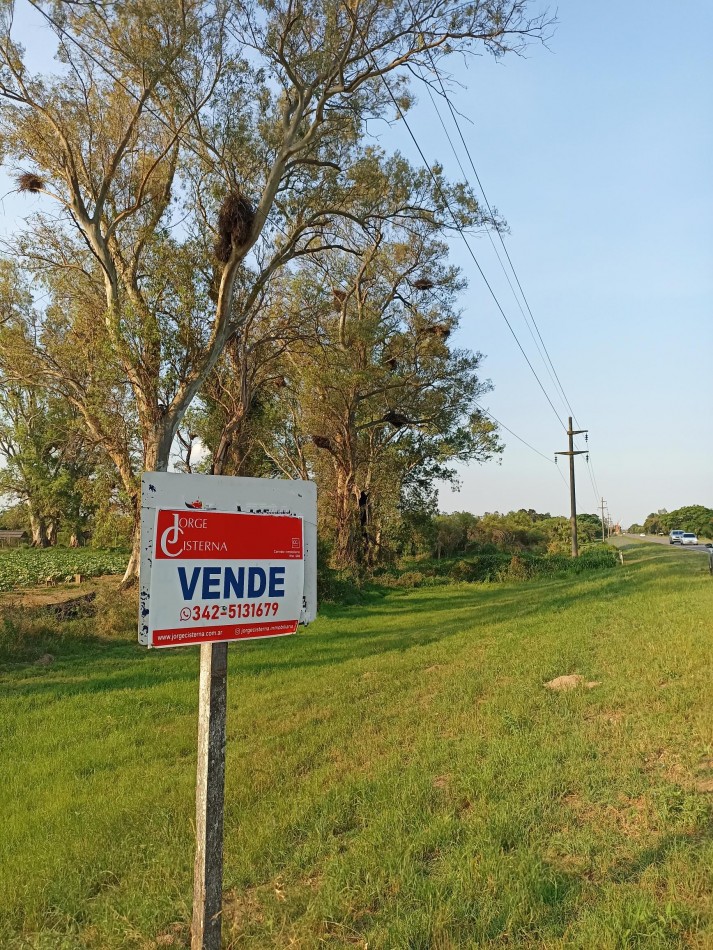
x=235 y=223
x=396 y=419
x=339 y=297
x=439 y=329
x=322 y=441
x=29 y=181
x=424 y=283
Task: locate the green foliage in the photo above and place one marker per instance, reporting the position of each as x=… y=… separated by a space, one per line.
x=378 y=405
x=499 y=566
x=112 y=529
x=516 y=531
x=695 y=518
x=15 y=518
x=30 y=567
x=183 y=158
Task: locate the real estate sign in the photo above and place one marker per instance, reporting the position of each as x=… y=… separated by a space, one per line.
x=225 y=558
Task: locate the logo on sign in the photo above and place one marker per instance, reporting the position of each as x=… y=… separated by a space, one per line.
x=172 y=545
x=171 y=537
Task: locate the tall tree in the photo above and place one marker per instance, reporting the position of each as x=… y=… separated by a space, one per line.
x=169 y=134
x=46 y=461
x=383 y=401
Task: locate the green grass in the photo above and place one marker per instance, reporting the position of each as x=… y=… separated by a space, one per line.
x=25 y=567
x=397 y=777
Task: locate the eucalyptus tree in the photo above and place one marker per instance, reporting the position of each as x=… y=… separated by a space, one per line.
x=46 y=462
x=382 y=401
x=240 y=400
x=196 y=148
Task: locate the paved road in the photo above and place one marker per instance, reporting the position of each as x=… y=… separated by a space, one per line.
x=657 y=539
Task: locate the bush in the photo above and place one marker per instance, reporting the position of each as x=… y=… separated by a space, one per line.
x=518 y=569
x=462 y=571
x=410 y=579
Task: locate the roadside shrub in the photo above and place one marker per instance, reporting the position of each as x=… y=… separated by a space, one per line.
x=410 y=579
x=598 y=556
x=463 y=571
x=518 y=569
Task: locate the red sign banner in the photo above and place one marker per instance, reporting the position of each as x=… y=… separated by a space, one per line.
x=220 y=575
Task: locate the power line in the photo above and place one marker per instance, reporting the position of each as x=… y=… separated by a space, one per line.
x=502 y=242
x=552 y=372
x=489 y=230
x=457 y=226
x=520 y=439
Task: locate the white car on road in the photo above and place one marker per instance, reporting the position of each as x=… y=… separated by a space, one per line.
x=688 y=538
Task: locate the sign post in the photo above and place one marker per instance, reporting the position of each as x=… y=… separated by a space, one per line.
x=210 y=789
x=233 y=560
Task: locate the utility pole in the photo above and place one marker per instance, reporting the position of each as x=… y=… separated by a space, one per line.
x=604 y=537
x=572 y=495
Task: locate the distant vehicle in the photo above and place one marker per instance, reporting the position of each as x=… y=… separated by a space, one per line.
x=642 y=535
x=675 y=536
x=689 y=538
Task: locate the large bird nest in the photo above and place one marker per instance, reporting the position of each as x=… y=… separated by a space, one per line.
x=397 y=419
x=438 y=330
x=29 y=181
x=235 y=224
x=322 y=442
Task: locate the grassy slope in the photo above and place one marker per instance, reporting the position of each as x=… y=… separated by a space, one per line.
x=397 y=774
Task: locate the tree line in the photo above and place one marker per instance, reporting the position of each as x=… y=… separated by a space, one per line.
x=221 y=267
x=526 y=530
x=695 y=518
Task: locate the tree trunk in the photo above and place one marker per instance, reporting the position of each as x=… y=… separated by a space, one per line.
x=39 y=531
x=347 y=545
x=157 y=449
x=131 y=575
x=365 y=523
x=51 y=534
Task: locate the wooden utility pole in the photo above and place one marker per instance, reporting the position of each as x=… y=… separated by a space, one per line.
x=572 y=495
x=210 y=791
x=604 y=537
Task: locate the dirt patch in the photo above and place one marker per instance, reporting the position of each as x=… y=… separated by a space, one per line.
x=703 y=780
x=54 y=596
x=632 y=817
x=177 y=935
x=561 y=684
x=241 y=907
x=674 y=771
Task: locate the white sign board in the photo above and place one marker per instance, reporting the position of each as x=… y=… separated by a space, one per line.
x=225 y=558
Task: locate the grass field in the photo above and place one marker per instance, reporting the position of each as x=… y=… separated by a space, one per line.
x=398 y=776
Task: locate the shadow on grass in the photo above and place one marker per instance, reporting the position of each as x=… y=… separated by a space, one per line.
x=631 y=869
x=393 y=622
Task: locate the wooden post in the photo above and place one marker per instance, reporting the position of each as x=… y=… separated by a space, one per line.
x=210 y=791
x=572 y=492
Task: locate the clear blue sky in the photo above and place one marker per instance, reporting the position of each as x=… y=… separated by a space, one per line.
x=598 y=152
